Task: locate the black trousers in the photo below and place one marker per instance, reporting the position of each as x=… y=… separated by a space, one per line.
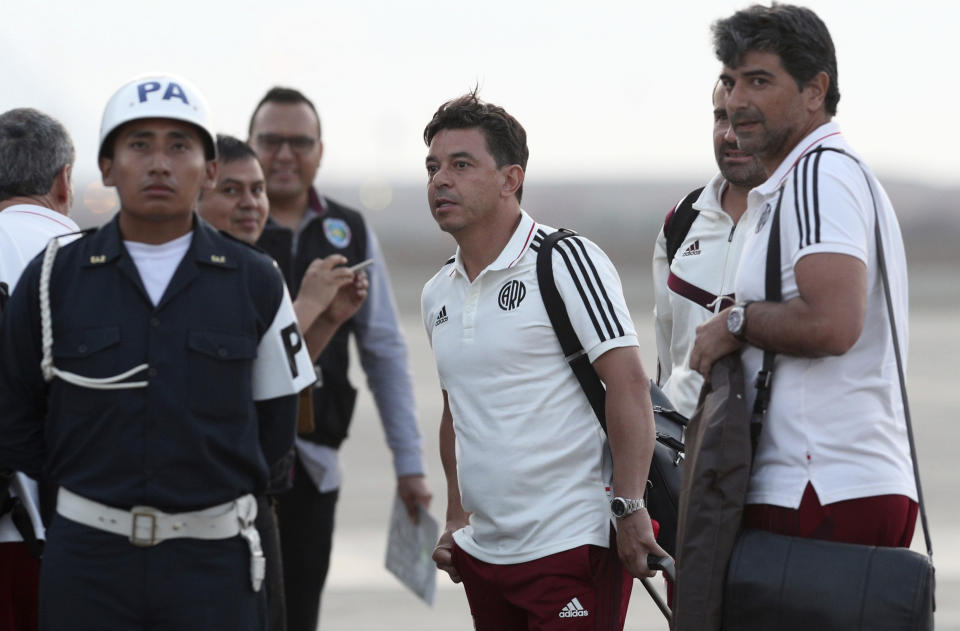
x=92 y=580
x=305 y=516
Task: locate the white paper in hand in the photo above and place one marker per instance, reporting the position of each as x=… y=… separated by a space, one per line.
x=409 y=550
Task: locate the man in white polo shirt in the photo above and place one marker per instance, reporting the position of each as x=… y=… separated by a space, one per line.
x=528 y=513
x=36 y=160
x=694 y=278
x=833 y=460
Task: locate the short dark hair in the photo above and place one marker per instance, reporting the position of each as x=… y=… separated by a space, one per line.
x=231 y=149
x=34 y=148
x=796 y=34
x=287 y=96
x=505 y=136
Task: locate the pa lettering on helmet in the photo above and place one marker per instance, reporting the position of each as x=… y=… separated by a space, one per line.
x=158 y=96
x=172 y=91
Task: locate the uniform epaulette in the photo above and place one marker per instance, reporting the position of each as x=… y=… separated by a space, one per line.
x=83 y=234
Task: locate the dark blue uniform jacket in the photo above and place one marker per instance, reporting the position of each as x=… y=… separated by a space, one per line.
x=193 y=437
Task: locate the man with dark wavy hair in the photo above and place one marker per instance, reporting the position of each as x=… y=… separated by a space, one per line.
x=833 y=460
x=529 y=504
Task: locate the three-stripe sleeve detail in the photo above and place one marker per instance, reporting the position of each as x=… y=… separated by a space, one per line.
x=587 y=285
x=602 y=287
x=805 y=191
x=816 y=195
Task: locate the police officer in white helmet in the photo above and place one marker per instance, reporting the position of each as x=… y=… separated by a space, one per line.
x=162 y=399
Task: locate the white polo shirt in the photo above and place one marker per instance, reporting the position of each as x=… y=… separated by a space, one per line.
x=529 y=446
x=836 y=422
x=25 y=230
x=689 y=291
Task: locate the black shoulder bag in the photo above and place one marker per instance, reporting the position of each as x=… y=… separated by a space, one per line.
x=791 y=583
x=665 y=468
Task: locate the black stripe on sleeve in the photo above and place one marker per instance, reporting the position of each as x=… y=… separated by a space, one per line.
x=579 y=286
x=597 y=304
x=816 y=197
x=806 y=203
x=796 y=208
x=535 y=246
x=603 y=289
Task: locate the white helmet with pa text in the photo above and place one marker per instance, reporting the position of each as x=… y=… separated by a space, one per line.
x=158 y=96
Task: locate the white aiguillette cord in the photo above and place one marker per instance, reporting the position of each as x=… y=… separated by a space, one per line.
x=46 y=364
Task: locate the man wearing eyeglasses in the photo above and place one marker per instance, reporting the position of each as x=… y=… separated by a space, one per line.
x=303 y=226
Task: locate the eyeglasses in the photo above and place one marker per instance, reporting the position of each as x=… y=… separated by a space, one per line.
x=298 y=144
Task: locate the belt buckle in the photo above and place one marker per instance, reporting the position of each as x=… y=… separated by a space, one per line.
x=143 y=542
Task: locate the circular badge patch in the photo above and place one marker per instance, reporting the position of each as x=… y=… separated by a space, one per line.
x=511 y=295
x=337 y=232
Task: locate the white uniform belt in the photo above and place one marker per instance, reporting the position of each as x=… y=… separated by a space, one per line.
x=147 y=526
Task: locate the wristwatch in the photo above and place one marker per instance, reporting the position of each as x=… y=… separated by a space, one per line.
x=622 y=506
x=737 y=320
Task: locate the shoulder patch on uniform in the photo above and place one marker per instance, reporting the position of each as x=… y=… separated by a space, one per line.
x=337 y=232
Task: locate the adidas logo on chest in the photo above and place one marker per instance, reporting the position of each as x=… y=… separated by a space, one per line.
x=693 y=249
x=442 y=316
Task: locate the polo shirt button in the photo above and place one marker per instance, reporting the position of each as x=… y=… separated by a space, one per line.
x=154 y=322
x=82 y=348
x=222 y=352
x=152 y=372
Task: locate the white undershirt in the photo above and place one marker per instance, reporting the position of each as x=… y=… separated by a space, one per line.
x=157 y=263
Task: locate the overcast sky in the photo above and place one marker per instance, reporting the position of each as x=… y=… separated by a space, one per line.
x=604 y=89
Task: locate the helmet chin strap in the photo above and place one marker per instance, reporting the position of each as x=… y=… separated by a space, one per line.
x=46 y=324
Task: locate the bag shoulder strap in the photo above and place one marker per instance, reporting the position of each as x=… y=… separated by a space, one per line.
x=882 y=267
x=557 y=311
x=678 y=223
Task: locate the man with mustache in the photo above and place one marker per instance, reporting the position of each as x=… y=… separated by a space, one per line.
x=151 y=370
x=833 y=460
x=693 y=273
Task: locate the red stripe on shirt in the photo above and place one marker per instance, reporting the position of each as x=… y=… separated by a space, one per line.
x=30 y=212
x=525 y=244
x=803 y=153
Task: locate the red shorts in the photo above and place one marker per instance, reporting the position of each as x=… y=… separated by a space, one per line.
x=583 y=589
x=19 y=582
x=882 y=520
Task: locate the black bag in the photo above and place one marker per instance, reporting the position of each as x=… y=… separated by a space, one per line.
x=666 y=466
x=786 y=583
x=789 y=583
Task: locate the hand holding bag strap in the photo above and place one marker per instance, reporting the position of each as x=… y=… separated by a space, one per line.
x=572 y=348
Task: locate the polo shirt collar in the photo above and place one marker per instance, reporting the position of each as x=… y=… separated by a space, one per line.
x=814 y=138
x=514 y=250
x=68 y=224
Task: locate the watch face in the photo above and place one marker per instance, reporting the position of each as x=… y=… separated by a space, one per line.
x=618 y=507
x=735 y=320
